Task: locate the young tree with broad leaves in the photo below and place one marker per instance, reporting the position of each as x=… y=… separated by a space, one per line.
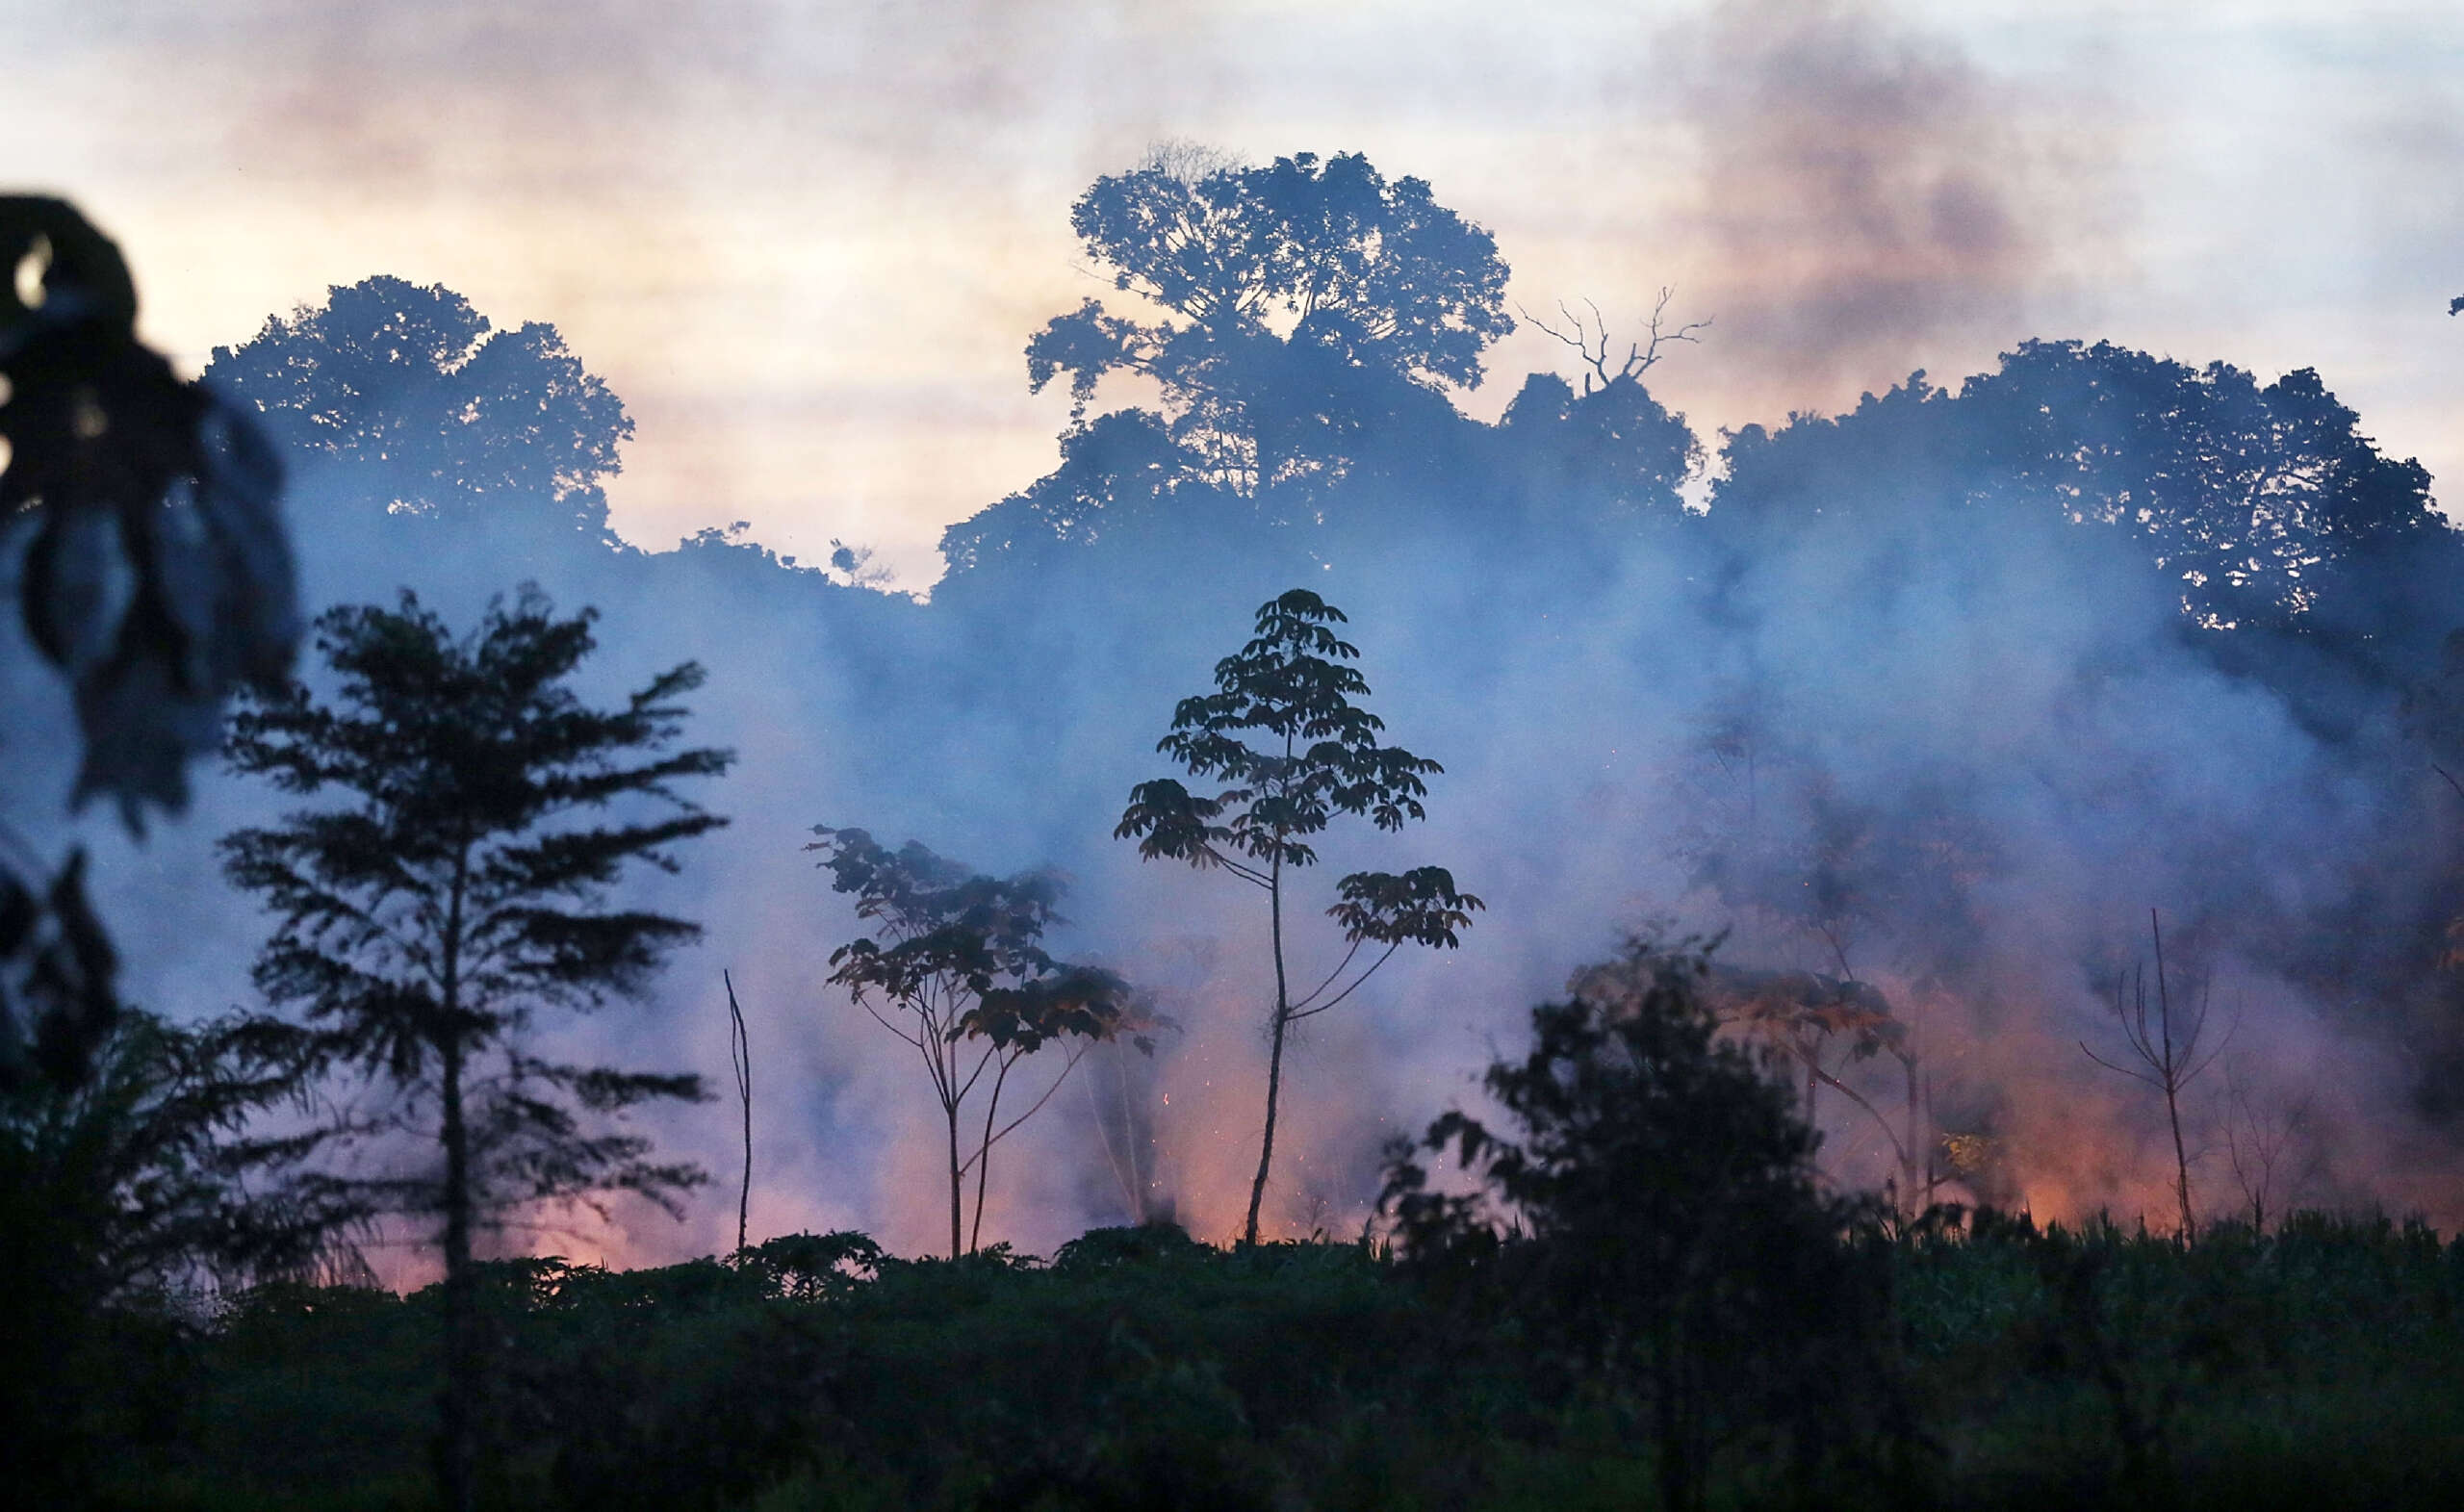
x=1315 y=756
x=961 y=974
x=461 y=889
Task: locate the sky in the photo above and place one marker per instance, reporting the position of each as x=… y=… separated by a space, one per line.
x=806 y=242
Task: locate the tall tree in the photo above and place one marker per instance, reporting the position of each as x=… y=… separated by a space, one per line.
x=1318 y=758
x=961 y=974
x=433 y=412
x=461 y=887
x=1281 y=287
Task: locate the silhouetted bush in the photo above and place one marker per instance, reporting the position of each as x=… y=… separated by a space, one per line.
x=1654 y=1220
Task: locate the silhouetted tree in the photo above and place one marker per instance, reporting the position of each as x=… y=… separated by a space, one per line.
x=1117 y=472
x=962 y=969
x=2268 y=1144
x=2261 y=506
x=460 y=888
x=1282 y=288
x=1612 y=452
x=1655 y=1214
x=1320 y=758
x=433 y=413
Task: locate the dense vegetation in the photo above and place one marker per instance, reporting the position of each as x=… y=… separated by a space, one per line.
x=2315 y=1366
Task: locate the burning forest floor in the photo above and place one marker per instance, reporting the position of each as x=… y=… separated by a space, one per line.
x=2320 y=1363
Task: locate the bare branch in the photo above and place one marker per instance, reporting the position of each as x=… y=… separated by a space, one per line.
x=1589 y=339
x=1349 y=991
x=2450 y=779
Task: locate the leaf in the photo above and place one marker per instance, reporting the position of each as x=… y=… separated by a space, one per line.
x=158 y=578
x=1419 y=907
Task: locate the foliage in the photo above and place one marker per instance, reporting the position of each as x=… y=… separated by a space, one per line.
x=2256 y=504
x=58 y=976
x=1118 y=474
x=1319 y=757
x=460 y=888
x=155 y=576
x=429 y=411
x=974 y=988
x=1667 y=1232
x=136 y=1185
x=2313 y=1366
x=1287 y=292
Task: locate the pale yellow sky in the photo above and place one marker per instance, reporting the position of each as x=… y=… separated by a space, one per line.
x=807 y=242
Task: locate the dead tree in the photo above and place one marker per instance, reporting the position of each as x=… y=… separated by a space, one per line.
x=1799 y=1012
x=2166 y=1052
x=2259 y=1133
x=1590 y=340
x=740 y=1053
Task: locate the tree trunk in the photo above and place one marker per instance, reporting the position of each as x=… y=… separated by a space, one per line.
x=741 y=1047
x=984 y=1157
x=1916 y=1197
x=1274 y=1054
x=461 y=1363
x=2181 y=1163
x=2172 y=1078
x=957 y=1180
x=457 y=1453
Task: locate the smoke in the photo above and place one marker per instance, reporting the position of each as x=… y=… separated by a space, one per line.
x=1867 y=191
x=2011 y=719
x=2014 y=714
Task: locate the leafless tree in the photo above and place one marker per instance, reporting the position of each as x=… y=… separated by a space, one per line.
x=2167 y=1050
x=1802 y=1014
x=1590 y=340
x=740 y=1054
x=2261 y=1132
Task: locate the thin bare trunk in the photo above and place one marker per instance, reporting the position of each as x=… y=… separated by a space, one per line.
x=951 y=1113
x=1274 y=1054
x=1920 y=1138
x=460 y=1365
x=983 y=1154
x=457 y=1453
x=1915 y=1196
x=740 y=1046
x=2173 y=1079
